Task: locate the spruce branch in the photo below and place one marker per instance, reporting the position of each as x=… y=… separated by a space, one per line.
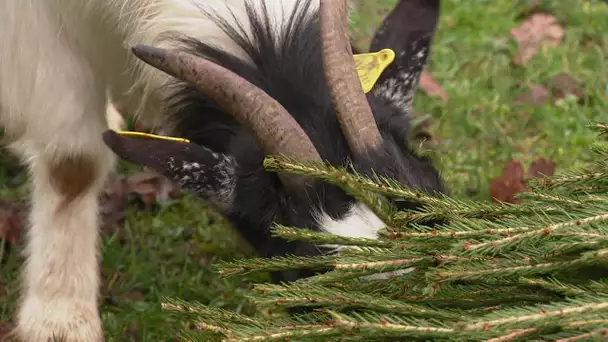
x=512 y=268
x=321 y=238
x=347 y=179
x=513 y=335
x=315 y=295
x=556 y=286
x=523 y=318
x=389 y=326
x=530 y=271
x=597 y=333
x=508 y=242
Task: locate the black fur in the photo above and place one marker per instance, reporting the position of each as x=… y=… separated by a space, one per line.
x=291 y=71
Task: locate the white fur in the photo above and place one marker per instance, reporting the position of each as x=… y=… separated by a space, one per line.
x=114 y=119
x=360 y=221
x=58 y=59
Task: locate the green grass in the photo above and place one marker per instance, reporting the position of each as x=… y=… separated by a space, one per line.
x=170 y=252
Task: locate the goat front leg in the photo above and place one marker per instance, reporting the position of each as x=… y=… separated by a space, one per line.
x=68 y=164
x=61 y=276
x=52 y=100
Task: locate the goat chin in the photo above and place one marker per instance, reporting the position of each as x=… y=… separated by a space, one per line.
x=58 y=59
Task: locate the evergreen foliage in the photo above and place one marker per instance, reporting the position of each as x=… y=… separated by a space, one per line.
x=488 y=272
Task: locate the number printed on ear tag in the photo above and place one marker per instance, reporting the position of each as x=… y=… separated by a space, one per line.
x=371 y=65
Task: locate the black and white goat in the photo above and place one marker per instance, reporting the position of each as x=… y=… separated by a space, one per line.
x=259 y=77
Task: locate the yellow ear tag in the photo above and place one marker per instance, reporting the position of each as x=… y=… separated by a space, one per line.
x=371 y=65
x=152 y=136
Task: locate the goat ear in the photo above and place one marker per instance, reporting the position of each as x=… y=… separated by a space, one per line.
x=408 y=30
x=210 y=175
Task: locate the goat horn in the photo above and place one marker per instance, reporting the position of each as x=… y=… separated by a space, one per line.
x=353 y=110
x=275 y=129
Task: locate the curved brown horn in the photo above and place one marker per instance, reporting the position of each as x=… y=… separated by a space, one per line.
x=353 y=111
x=274 y=128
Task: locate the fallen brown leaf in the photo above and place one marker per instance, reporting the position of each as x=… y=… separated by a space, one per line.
x=512 y=182
x=113 y=204
x=541 y=167
x=151 y=187
x=131 y=332
x=563 y=84
x=536 y=95
x=504 y=188
x=11 y=221
x=538 y=29
x=136 y=296
x=148 y=187
x=6 y=329
x=431 y=87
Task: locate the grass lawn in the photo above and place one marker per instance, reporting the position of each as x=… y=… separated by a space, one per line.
x=169 y=252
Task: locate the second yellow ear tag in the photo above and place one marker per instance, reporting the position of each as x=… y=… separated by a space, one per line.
x=371 y=65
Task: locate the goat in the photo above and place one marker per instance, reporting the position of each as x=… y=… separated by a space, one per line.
x=254 y=89
x=234 y=112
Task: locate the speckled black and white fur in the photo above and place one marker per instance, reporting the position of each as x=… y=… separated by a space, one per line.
x=287 y=64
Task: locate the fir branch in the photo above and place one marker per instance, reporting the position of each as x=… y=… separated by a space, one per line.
x=461 y=229
x=342 y=177
x=508 y=242
x=377 y=325
x=354 y=260
x=320 y=238
x=599 y=127
x=314 y=295
x=383 y=264
x=447 y=283
x=505 y=270
x=556 y=286
x=536 y=316
x=201 y=311
x=574 y=178
x=550 y=198
x=295 y=332
x=253 y=265
x=513 y=335
x=600 y=332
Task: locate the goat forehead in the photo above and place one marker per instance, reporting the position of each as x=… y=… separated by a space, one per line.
x=359 y=221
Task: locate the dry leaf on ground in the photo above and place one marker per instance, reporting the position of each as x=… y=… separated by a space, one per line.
x=431 y=87
x=538 y=29
x=152 y=186
x=512 y=182
x=541 y=167
x=11 y=221
x=504 y=188
x=563 y=84
x=536 y=95
x=149 y=188
x=5 y=331
x=113 y=203
x=558 y=87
